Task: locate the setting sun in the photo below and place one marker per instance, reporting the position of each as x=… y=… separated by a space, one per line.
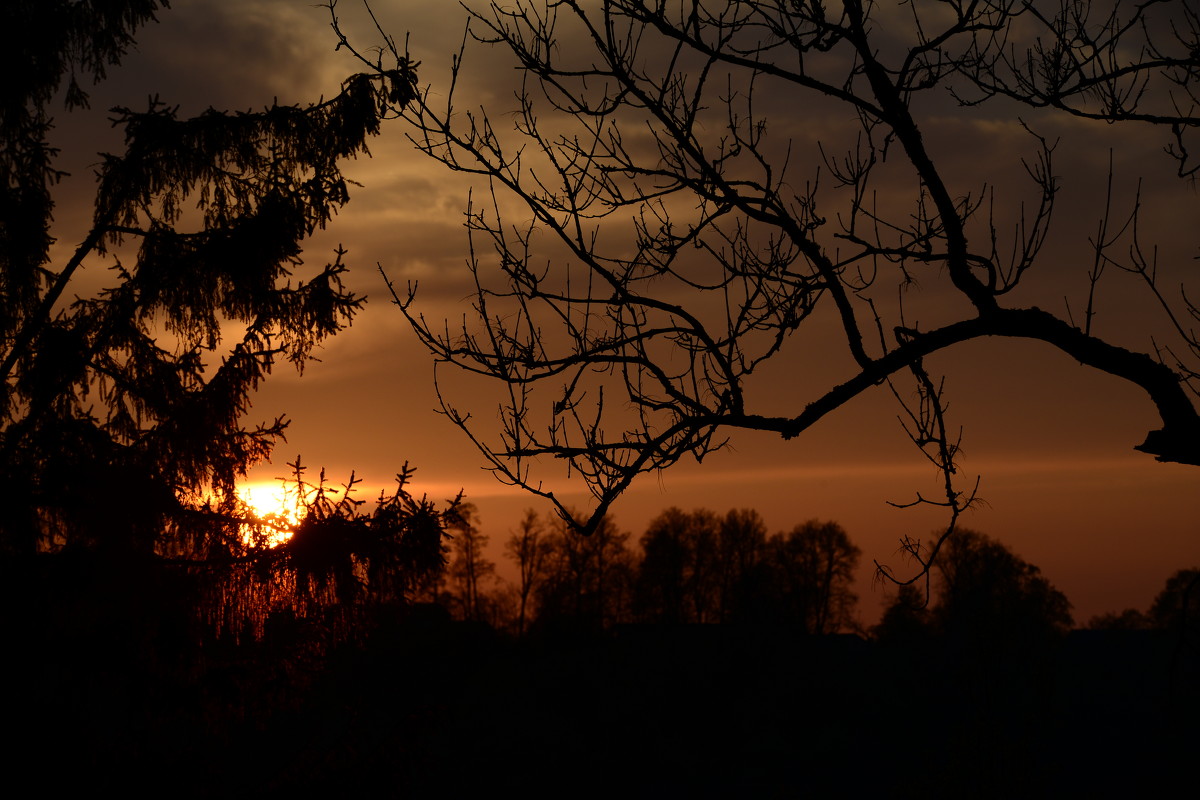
x=274 y=506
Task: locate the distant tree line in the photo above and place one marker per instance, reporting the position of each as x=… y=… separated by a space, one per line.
x=981 y=593
x=688 y=567
x=700 y=567
x=1175 y=608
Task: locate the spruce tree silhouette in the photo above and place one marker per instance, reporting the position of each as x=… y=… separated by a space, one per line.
x=121 y=413
x=133 y=400
x=150 y=628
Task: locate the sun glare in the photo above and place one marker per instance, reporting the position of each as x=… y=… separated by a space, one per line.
x=274 y=506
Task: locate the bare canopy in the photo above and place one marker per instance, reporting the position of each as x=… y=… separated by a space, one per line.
x=655 y=228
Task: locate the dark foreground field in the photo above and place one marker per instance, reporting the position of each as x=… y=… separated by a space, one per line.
x=425 y=707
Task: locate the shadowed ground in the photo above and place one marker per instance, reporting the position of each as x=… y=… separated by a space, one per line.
x=422 y=706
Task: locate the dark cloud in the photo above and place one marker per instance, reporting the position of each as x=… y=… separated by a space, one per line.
x=231 y=54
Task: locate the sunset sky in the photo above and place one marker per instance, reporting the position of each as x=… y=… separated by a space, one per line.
x=1052 y=441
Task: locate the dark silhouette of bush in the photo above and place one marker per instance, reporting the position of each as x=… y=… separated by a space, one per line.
x=907 y=617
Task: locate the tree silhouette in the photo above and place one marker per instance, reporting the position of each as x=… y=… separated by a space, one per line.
x=812 y=568
x=677 y=578
x=1177 y=606
x=697 y=567
x=985 y=599
x=587 y=583
x=52 y=41
x=529 y=549
x=139 y=391
x=990 y=596
x=675 y=236
x=122 y=428
x=470 y=568
x=742 y=550
x=340 y=564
